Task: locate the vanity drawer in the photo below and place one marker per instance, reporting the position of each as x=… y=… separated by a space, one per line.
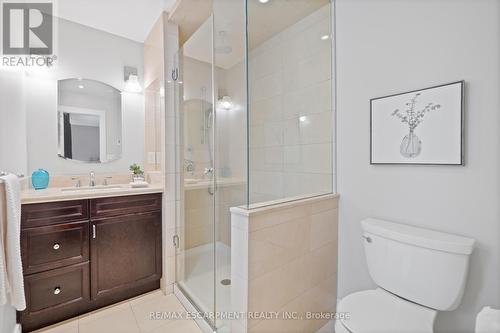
x=48 y=291
x=107 y=207
x=50 y=247
x=36 y=215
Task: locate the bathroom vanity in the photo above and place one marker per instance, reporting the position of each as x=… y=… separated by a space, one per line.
x=80 y=255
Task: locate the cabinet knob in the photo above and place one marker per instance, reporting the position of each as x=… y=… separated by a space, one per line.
x=57 y=290
x=56 y=246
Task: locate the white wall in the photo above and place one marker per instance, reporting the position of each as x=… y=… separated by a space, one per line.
x=12 y=122
x=389 y=46
x=12 y=152
x=91 y=54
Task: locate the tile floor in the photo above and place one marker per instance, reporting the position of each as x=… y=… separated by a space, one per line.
x=132 y=316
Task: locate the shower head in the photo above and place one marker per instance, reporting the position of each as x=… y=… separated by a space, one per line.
x=223 y=48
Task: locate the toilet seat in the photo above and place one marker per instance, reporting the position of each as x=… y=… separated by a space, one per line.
x=378 y=311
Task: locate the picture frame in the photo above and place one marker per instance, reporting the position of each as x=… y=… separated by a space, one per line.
x=419 y=127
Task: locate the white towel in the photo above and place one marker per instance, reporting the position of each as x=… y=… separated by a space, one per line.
x=11 y=268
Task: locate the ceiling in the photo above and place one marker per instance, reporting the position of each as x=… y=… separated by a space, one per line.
x=264 y=21
x=131 y=19
x=229 y=36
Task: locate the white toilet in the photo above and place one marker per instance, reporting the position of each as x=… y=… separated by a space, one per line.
x=418 y=271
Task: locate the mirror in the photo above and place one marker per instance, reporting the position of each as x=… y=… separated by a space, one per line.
x=89 y=121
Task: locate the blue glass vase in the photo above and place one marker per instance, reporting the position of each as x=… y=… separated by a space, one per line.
x=40 y=179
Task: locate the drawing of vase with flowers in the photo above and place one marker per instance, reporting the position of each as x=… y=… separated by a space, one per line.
x=411 y=145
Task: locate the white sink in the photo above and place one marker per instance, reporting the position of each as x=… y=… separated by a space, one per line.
x=91 y=188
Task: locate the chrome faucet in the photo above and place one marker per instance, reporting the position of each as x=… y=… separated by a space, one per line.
x=189 y=165
x=78 y=182
x=92 y=179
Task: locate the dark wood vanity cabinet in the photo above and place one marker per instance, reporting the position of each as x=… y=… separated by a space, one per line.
x=116 y=268
x=85 y=254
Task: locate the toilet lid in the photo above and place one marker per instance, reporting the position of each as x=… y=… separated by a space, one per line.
x=378 y=311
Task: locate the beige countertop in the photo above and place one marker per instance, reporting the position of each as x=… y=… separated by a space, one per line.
x=51 y=194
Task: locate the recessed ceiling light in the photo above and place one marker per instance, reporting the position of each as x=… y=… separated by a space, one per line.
x=325 y=37
x=302 y=119
x=263 y=1
x=80 y=86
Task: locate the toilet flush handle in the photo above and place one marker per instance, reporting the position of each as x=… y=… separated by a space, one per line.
x=367 y=239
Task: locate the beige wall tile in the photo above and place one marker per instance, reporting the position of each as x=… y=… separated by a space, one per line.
x=273 y=290
x=292 y=263
x=323 y=229
x=277 y=216
x=196 y=236
x=325 y=204
x=275 y=246
x=322 y=263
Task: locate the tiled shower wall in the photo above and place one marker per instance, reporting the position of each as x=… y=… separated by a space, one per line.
x=198 y=206
x=284 y=260
x=160 y=48
x=291 y=120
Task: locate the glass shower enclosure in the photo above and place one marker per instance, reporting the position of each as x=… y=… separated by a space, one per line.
x=255 y=120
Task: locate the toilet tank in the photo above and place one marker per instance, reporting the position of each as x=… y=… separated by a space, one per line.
x=421 y=265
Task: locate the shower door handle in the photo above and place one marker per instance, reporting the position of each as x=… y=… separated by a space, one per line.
x=211 y=187
x=175 y=74
x=176 y=241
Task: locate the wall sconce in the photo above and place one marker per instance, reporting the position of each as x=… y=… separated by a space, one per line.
x=132 y=80
x=225 y=103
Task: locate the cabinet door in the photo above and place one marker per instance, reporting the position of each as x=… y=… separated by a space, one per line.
x=125 y=254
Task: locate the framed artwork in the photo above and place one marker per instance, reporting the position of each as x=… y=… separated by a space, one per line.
x=418 y=127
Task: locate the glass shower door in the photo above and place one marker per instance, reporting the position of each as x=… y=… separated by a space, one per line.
x=195 y=256
x=211 y=108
